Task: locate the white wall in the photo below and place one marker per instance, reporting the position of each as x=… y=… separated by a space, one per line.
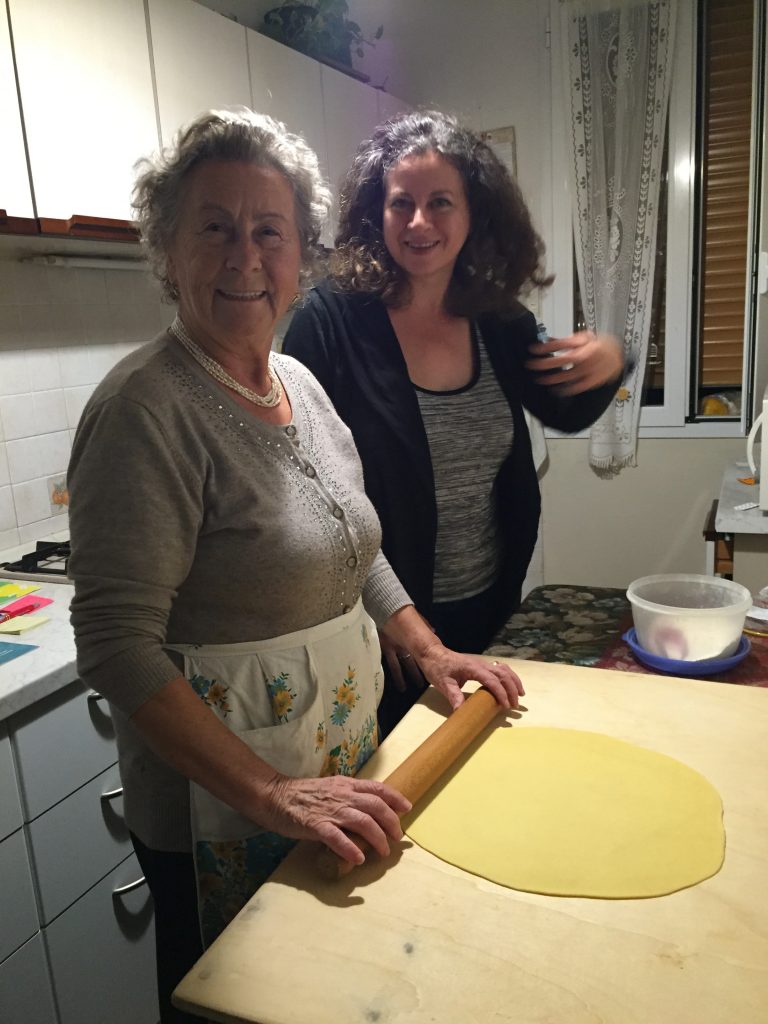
x=61 y=330
x=607 y=532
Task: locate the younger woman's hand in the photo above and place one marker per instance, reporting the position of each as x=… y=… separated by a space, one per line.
x=584 y=361
x=403 y=669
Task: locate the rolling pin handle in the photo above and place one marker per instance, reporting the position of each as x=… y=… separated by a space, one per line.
x=421 y=769
x=332 y=867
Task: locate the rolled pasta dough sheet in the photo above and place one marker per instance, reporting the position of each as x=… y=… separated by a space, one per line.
x=570 y=813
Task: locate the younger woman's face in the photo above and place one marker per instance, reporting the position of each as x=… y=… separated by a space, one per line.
x=426 y=215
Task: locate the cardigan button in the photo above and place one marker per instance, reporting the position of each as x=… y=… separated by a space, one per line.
x=338 y=513
x=351 y=561
x=310 y=471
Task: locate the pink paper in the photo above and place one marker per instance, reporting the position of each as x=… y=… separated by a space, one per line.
x=29 y=600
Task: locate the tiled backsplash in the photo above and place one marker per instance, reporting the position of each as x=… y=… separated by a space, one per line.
x=61 y=330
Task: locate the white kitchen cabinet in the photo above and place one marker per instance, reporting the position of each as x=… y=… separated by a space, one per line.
x=200 y=60
x=26 y=996
x=390 y=105
x=87 y=102
x=351 y=112
x=15 y=193
x=288 y=86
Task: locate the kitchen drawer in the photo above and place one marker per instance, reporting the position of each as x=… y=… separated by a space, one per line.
x=77 y=842
x=10 y=806
x=59 y=743
x=101 y=953
x=26 y=996
x=18 y=919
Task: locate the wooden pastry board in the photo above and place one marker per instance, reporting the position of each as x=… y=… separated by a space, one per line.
x=414 y=940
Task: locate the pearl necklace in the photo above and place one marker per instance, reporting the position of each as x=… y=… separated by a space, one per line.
x=217 y=371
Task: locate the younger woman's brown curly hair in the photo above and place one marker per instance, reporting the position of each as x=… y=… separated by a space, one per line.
x=502 y=256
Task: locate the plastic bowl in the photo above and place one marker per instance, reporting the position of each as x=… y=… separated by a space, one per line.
x=688 y=617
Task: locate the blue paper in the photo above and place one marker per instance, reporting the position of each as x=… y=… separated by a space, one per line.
x=10 y=651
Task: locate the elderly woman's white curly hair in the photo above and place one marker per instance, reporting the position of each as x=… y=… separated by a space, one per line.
x=235 y=134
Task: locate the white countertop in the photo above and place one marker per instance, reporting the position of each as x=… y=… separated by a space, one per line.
x=49 y=668
x=732 y=493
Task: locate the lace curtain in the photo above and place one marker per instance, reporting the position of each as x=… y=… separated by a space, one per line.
x=618 y=63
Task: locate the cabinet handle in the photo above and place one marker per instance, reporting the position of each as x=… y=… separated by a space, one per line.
x=112 y=794
x=123 y=889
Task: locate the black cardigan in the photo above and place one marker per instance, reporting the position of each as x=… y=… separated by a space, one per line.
x=347 y=341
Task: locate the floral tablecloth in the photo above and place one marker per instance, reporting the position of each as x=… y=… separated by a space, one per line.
x=584 y=626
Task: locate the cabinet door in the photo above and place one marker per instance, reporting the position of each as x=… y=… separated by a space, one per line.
x=78 y=842
x=87 y=102
x=18 y=918
x=390 y=105
x=200 y=61
x=351 y=112
x=25 y=988
x=102 y=954
x=60 y=743
x=15 y=193
x=10 y=805
x=287 y=86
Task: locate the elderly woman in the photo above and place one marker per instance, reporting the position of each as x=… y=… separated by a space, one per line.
x=228 y=577
x=422 y=344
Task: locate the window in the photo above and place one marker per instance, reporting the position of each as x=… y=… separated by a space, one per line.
x=700 y=343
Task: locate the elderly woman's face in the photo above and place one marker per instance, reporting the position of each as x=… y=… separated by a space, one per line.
x=236 y=255
x=426 y=215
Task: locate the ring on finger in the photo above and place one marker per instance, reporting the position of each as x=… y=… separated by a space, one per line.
x=404 y=657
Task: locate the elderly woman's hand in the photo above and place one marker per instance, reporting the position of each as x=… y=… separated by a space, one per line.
x=326 y=808
x=447 y=670
x=584 y=361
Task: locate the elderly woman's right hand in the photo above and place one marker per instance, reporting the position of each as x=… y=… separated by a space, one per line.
x=326 y=808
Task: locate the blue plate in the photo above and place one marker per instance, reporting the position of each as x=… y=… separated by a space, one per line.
x=708 y=667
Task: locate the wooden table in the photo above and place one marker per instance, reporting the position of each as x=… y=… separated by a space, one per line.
x=414 y=940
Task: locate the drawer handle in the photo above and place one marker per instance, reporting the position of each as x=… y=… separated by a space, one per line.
x=123 y=889
x=112 y=794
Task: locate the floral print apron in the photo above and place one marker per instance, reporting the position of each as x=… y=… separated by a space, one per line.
x=306 y=703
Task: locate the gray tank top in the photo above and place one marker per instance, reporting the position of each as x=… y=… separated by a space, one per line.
x=470 y=433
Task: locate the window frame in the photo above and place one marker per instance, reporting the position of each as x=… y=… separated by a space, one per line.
x=675 y=417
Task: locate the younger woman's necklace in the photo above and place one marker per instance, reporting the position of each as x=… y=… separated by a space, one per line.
x=217 y=371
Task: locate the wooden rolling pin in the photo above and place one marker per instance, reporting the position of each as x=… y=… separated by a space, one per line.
x=421 y=769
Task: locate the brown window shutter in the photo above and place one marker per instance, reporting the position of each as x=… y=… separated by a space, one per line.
x=727 y=122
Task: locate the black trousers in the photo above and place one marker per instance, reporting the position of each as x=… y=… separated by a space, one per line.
x=171 y=880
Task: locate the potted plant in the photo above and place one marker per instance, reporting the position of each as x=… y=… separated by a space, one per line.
x=320 y=29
